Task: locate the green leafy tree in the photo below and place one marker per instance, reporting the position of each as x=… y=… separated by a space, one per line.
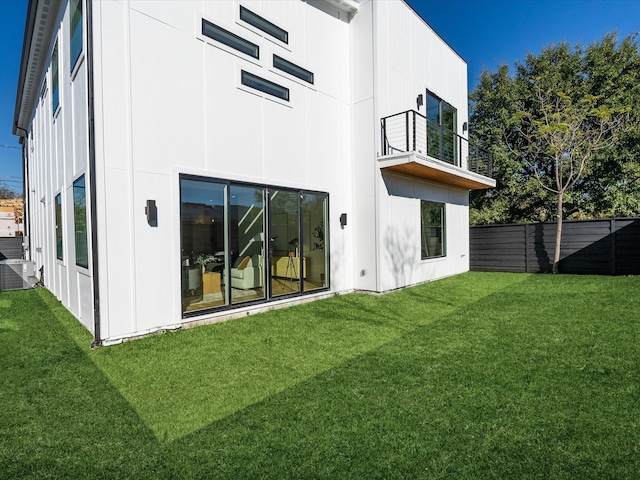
x=602 y=80
x=558 y=145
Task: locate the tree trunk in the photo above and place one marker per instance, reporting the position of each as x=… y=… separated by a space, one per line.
x=556 y=255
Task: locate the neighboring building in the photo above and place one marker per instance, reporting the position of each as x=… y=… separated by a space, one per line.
x=11 y=217
x=194 y=161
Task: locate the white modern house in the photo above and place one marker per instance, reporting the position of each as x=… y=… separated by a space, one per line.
x=191 y=161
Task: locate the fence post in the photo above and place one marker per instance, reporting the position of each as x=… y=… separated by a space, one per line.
x=612 y=235
x=526 y=248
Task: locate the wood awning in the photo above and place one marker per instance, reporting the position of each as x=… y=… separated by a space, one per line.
x=422 y=166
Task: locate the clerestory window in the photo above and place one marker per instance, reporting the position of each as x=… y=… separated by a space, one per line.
x=229 y=39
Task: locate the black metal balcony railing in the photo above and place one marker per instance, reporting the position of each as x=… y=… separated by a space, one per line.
x=411 y=131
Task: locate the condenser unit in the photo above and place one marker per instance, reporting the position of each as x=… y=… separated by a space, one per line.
x=16 y=274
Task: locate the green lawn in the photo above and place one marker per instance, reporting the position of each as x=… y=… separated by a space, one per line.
x=475 y=376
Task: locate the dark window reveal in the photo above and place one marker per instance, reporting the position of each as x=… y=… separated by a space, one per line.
x=265 y=86
x=262 y=24
x=292 y=69
x=232 y=40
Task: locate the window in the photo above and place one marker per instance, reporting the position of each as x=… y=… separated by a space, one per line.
x=292 y=69
x=58 y=214
x=432 y=229
x=55 y=90
x=75 y=32
x=229 y=39
x=262 y=24
x=249 y=243
x=253 y=81
x=441 y=130
x=80 y=222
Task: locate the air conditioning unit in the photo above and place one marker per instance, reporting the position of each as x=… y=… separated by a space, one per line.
x=16 y=274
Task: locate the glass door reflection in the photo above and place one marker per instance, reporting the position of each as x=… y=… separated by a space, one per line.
x=287 y=262
x=246 y=239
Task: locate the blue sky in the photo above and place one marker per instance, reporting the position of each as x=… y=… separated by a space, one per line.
x=486 y=33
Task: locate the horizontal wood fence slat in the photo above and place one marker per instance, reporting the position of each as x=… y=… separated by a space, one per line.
x=604 y=247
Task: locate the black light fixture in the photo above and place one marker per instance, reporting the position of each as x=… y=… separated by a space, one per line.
x=152 y=213
x=343 y=220
x=465 y=127
x=420 y=101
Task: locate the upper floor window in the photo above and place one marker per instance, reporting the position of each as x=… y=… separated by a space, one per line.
x=441 y=130
x=229 y=39
x=55 y=84
x=432 y=229
x=262 y=24
x=75 y=35
x=292 y=69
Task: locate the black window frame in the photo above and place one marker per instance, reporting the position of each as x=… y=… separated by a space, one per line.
x=442 y=237
x=251 y=80
x=264 y=25
x=230 y=39
x=292 y=69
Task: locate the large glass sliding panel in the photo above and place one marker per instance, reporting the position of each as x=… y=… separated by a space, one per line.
x=246 y=231
x=433 y=126
x=449 y=153
x=315 y=248
x=441 y=130
x=287 y=263
x=203 y=244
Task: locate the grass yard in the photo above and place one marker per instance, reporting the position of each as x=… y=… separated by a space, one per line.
x=482 y=375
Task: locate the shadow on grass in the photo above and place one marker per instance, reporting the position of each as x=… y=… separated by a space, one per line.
x=493 y=390
x=537 y=380
x=60 y=416
x=180 y=383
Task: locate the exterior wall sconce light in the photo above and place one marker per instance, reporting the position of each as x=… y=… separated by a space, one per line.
x=152 y=213
x=420 y=101
x=465 y=127
x=343 y=220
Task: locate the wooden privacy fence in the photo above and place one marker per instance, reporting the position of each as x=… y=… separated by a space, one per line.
x=603 y=247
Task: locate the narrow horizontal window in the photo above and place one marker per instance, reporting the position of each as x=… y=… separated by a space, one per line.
x=230 y=39
x=292 y=69
x=265 y=86
x=262 y=24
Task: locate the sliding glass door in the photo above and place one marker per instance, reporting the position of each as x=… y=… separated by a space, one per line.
x=315 y=208
x=246 y=221
x=287 y=263
x=203 y=214
x=249 y=243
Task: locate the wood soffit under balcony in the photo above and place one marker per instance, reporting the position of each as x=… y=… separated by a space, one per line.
x=416 y=165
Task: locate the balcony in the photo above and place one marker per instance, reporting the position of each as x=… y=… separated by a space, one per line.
x=415 y=146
